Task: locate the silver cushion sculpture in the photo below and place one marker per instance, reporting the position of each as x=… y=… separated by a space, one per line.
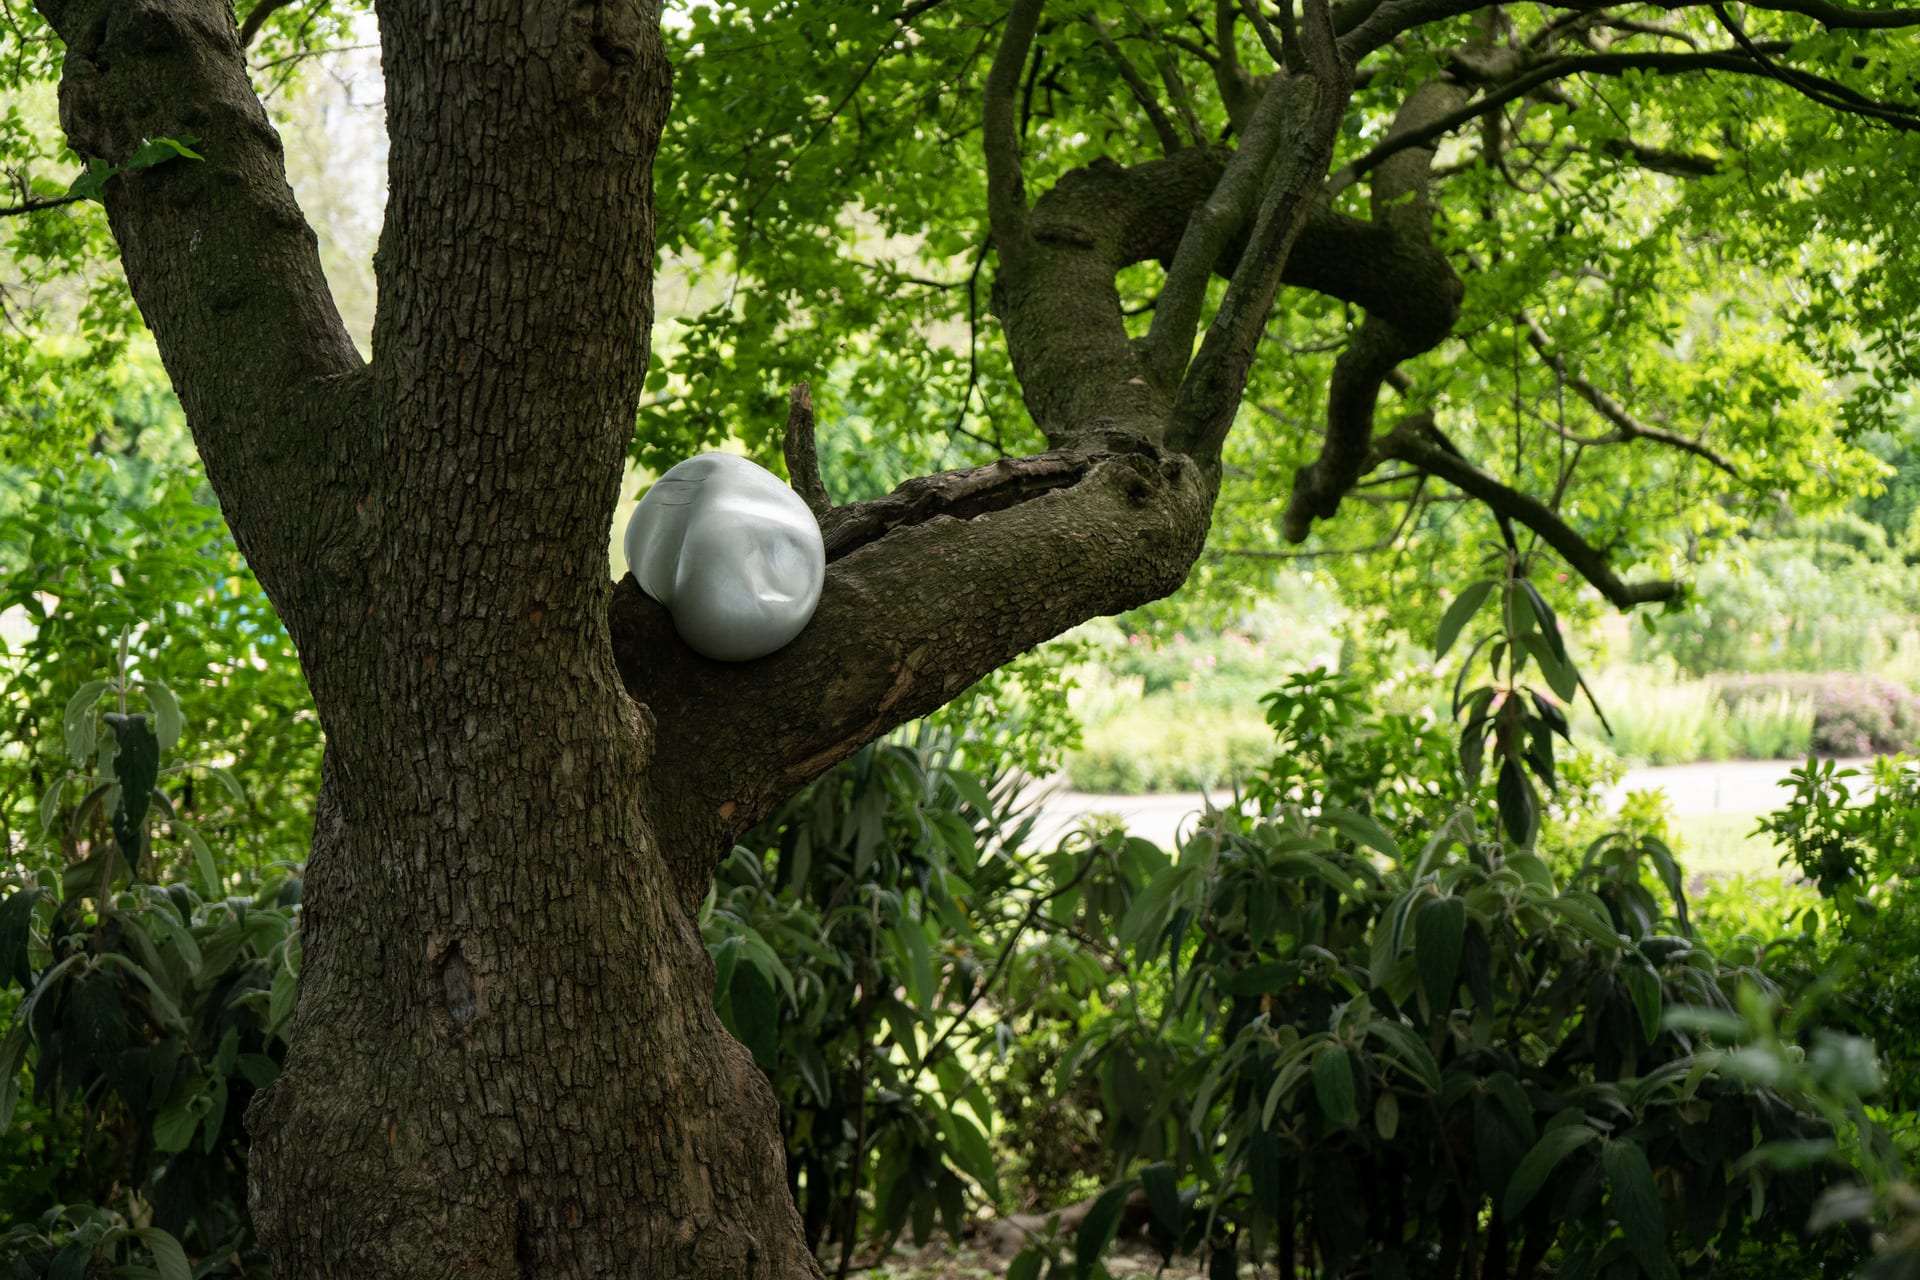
x=733 y=554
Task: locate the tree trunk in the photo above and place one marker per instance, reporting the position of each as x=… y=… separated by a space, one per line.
x=505 y=1060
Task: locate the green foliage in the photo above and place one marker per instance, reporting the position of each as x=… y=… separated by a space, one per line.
x=1853 y=715
x=149 y=994
x=852 y=935
x=1156 y=747
x=1383 y=1040
x=1834 y=595
x=111 y=546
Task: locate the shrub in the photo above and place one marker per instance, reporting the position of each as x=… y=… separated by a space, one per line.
x=149 y=1010
x=1853 y=715
x=1386 y=1042
x=1158 y=745
x=1660 y=720
x=1779 y=727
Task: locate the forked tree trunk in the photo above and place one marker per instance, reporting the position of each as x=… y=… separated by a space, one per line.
x=505 y=1060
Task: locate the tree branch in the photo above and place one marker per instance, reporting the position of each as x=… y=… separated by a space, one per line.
x=803 y=461
x=1417 y=442
x=257 y=18
x=1400 y=201
x=1625 y=425
x=34 y=204
x=1006 y=188
x=1209 y=394
x=1213 y=226
x=224 y=268
x=1608 y=64
x=928 y=590
x=1820 y=89
x=1170 y=140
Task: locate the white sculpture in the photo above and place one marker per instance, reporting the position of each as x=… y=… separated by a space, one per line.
x=733 y=554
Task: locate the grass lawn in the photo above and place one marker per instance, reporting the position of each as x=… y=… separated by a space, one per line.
x=1719 y=844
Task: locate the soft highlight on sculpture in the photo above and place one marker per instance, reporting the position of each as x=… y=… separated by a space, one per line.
x=732 y=552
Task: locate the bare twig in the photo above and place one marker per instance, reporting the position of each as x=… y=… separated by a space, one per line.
x=1418 y=442
x=34 y=204
x=1625 y=425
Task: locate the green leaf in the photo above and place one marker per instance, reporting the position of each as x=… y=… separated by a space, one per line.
x=16 y=929
x=1549 y=625
x=92 y=179
x=77 y=722
x=166 y=713
x=812 y=1065
x=168 y=1256
x=1439 y=927
x=50 y=805
x=153 y=151
x=1027 y=1265
x=203 y=863
x=173 y=1127
x=1561 y=676
x=1552 y=716
x=226 y=779
x=13 y=1056
x=71 y=1263
x=1635 y=1203
x=1410 y=1051
x=1333 y=1084
x=1513 y=796
x=137 y=767
x=1163 y=1198
x=1361 y=829
x=1386 y=1115
x=1464 y=606
x=1554 y=1146
x=756 y=1014
x=1097 y=1228
x=164 y=1007
x=1644 y=986
x=971 y=1151
x=970 y=789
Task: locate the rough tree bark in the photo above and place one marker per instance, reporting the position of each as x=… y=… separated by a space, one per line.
x=505 y=1060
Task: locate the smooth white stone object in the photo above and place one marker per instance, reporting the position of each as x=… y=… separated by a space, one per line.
x=733 y=554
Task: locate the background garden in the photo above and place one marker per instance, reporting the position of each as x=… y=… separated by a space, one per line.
x=1430 y=1000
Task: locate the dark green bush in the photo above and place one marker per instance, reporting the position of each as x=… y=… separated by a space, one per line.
x=149 y=990
x=1377 y=1043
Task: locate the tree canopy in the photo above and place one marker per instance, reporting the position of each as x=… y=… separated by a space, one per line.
x=1075 y=286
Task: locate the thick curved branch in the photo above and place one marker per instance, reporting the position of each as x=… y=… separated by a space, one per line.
x=1220 y=221
x=907 y=619
x=1400 y=201
x=223 y=266
x=1625 y=425
x=1209 y=394
x=257 y=19
x=1006 y=187
x=1417 y=442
